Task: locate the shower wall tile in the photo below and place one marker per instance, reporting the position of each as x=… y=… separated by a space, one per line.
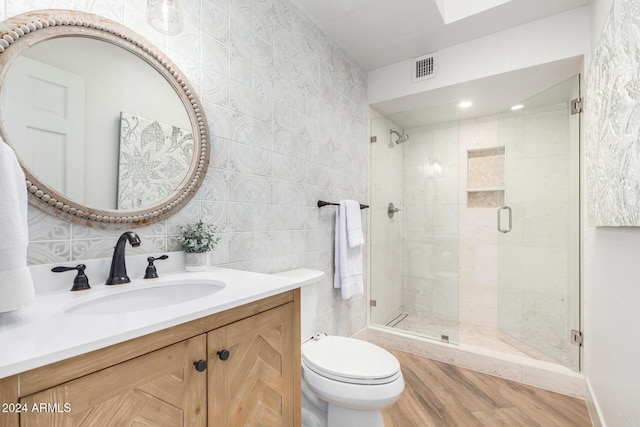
x=430 y=216
x=446 y=296
x=544 y=315
x=510 y=309
x=545 y=268
x=445 y=218
x=479 y=304
x=288 y=117
x=478 y=240
x=546 y=132
x=445 y=146
x=418 y=296
x=480 y=132
x=417 y=259
x=418 y=220
x=386 y=233
x=478 y=267
x=544 y=225
x=486 y=259
x=535 y=141
x=551 y=183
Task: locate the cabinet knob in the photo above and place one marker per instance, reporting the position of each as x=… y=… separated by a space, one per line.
x=201 y=365
x=224 y=354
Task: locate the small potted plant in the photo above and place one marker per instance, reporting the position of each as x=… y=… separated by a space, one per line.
x=197 y=240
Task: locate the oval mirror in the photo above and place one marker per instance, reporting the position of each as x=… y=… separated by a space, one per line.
x=107 y=129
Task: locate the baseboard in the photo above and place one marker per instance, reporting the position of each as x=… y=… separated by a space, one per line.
x=592 y=406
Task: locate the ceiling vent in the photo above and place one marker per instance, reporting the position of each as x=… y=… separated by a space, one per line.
x=424 y=67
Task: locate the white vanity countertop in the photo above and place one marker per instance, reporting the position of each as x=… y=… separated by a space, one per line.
x=44 y=333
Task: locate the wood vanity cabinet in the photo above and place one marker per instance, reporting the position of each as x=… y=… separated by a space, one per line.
x=240 y=367
x=251 y=371
x=160 y=389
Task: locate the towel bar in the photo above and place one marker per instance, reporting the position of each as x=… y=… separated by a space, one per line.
x=322 y=203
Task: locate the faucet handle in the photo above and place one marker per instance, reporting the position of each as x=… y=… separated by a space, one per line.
x=151 y=272
x=81 y=281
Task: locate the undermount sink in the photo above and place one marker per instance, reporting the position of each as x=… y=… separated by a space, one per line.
x=145 y=297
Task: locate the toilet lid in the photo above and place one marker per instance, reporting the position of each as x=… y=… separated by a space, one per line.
x=350 y=360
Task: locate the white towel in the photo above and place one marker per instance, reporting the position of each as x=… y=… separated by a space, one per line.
x=354 y=224
x=16 y=286
x=348 y=259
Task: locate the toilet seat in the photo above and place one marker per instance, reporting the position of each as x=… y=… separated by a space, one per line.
x=351 y=361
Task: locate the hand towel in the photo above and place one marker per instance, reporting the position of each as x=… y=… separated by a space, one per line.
x=354 y=224
x=16 y=286
x=348 y=260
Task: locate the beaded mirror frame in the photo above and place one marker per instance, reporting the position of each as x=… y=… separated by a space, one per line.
x=23 y=31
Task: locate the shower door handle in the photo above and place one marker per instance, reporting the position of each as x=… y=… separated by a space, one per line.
x=500 y=229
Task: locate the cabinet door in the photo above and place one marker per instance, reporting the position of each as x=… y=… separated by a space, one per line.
x=158 y=389
x=255 y=385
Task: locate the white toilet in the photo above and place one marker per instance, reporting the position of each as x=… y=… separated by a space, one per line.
x=345 y=381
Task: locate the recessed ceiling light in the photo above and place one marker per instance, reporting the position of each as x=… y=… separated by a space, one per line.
x=465 y=104
x=517 y=107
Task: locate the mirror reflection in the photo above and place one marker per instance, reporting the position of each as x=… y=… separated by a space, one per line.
x=97 y=123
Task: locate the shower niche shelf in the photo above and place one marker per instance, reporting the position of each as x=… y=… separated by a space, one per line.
x=485 y=177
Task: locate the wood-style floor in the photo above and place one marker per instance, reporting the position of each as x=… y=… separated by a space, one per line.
x=439 y=394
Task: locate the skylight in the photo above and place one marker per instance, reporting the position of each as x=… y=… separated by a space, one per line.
x=455 y=10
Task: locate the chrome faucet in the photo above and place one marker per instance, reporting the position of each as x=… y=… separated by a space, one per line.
x=118 y=272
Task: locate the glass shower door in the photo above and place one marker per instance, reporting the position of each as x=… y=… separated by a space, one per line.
x=538 y=226
x=414 y=251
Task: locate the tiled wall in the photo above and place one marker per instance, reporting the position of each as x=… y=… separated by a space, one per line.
x=532 y=260
x=478 y=234
x=430 y=232
x=535 y=258
x=289 y=124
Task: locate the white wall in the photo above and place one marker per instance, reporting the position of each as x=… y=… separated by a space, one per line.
x=599 y=12
x=535 y=43
x=612 y=299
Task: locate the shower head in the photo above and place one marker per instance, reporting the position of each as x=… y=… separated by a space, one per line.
x=401 y=138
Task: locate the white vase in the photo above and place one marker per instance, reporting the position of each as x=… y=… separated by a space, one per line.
x=196 y=261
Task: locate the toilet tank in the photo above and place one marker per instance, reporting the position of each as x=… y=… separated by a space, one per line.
x=309 y=291
x=308 y=310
